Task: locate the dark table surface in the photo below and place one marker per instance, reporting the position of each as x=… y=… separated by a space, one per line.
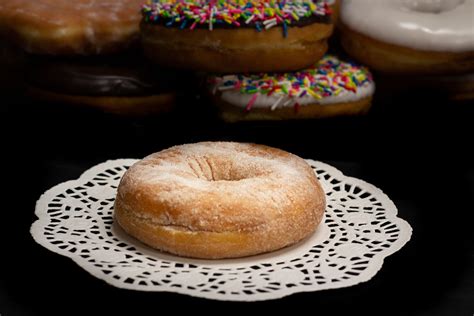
x=414 y=146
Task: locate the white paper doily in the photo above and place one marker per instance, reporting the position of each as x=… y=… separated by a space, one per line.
x=360 y=229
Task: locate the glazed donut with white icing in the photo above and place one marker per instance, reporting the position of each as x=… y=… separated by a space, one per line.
x=236 y=35
x=331 y=87
x=219 y=200
x=410 y=36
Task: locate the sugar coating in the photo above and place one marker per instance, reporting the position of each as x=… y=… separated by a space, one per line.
x=220 y=186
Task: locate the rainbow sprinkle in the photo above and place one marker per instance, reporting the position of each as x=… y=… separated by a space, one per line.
x=263 y=14
x=329 y=77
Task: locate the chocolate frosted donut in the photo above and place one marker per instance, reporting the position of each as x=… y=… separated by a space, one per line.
x=112 y=83
x=219 y=200
x=99 y=76
x=236 y=36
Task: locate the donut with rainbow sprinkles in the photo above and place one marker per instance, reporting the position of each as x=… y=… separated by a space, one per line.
x=331 y=87
x=236 y=36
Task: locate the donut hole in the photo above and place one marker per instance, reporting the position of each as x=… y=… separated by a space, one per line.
x=215 y=169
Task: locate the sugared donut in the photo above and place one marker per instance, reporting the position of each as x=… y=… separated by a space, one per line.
x=219 y=200
x=61 y=27
x=236 y=35
x=331 y=87
x=410 y=36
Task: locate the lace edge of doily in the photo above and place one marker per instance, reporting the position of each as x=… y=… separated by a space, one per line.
x=378 y=259
x=391 y=209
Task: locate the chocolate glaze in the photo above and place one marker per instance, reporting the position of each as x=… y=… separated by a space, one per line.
x=304 y=21
x=99 y=76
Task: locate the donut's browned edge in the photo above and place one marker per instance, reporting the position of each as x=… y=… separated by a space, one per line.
x=133 y=105
x=236 y=50
x=389 y=58
x=231 y=113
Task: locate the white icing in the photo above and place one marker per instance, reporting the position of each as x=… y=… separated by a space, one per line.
x=329 y=81
x=433 y=25
x=264 y=101
x=433 y=6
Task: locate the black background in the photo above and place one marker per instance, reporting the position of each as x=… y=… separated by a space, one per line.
x=414 y=145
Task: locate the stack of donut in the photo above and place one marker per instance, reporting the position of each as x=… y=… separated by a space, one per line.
x=265 y=60
x=81 y=52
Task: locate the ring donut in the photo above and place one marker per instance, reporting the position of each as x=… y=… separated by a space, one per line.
x=332 y=87
x=219 y=200
x=236 y=35
x=410 y=36
x=123 y=84
x=64 y=27
x=83 y=53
